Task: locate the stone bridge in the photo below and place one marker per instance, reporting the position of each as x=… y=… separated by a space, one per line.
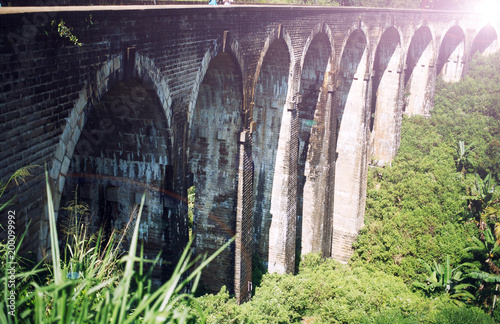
x=272 y=113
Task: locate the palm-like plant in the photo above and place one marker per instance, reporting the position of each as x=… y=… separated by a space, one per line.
x=487 y=248
x=463 y=156
x=492 y=213
x=444 y=278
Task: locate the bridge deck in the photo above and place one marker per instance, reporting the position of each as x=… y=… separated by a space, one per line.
x=17 y=10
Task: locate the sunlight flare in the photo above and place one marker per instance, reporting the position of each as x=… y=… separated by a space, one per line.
x=489 y=9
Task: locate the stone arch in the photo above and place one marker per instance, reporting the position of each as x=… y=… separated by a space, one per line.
x=277 y=34
x=350 y=162
x=282 y=233
x=314 y=118
x=418 y=66
x=108 y=74
x=125 y=149
x=213 y=160
x=81 y=139
x=225 y=43
x=485 y=42
x=384 y=105
x=106 y=77
x=270 y=100
x=451 y=60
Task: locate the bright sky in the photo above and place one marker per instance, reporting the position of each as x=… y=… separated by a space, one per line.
x=489 y=8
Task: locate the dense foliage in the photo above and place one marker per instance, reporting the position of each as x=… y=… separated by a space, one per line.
x=325 y=291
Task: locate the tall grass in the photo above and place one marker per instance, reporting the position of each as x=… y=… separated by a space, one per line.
x=18 y=176
x=95 y=295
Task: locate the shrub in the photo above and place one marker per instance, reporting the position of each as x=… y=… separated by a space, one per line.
x=325 y=291
x=463 y=315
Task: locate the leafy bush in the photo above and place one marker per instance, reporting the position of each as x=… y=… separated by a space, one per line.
x=463 y=315
x=325 y=291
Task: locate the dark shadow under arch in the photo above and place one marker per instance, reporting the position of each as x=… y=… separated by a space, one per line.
x=486 y=37
x=213 y=160
x=451 y=55
x=124 y=150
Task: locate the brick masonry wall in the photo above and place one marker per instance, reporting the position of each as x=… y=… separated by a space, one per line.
x=49 y=86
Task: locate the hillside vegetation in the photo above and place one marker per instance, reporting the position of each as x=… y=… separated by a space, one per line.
x=429 y=250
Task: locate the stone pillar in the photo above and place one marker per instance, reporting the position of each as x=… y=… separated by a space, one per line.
x=350 y=167
x=244 y=222
x=283 y=203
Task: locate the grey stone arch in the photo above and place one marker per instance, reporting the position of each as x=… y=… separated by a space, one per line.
x=125 y=149
x=213 y=156
x=314 y=219
x=485 y=41
x=351 y=143
x=451 y=55
x=270 y=93
x=419 y=75
x=108 y=74
x=385 y=104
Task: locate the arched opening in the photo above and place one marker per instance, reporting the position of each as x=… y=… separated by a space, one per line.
x=125 y=149
x=416 y=95
x=486 y=41
x=312 y=223
x=451 y=55
x=270 y=98
x=351 y=146
x=213 y=160
x=384 y=102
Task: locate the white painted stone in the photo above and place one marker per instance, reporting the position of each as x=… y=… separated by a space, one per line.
x=60 y=151
x=65 y=166
x=61 y=181
x=56 y=167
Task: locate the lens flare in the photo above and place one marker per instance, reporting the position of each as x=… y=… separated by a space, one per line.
x=490 y=9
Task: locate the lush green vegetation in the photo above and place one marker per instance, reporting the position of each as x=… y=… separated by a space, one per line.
x=430 y=247
x=93 y=281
